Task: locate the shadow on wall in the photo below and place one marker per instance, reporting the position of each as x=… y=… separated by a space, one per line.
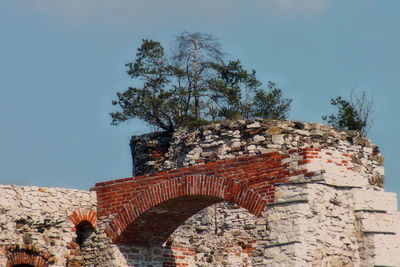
x=154 y=226
x=220 y=233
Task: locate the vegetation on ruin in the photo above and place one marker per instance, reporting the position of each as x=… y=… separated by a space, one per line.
x=352 y=114
x=193 y=86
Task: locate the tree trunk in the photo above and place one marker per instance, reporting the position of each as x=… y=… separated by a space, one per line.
x=196 y=89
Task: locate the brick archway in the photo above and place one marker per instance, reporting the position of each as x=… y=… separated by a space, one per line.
x=247 y=181
x=26 y=256
x=80 y=216
x=152 y=215
x=143 y=211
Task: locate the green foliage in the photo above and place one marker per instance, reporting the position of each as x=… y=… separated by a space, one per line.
x=226 y=91
x=353 y=114
x=155 y=104
x=239 y=95
x=270 y=104
x=194 y=87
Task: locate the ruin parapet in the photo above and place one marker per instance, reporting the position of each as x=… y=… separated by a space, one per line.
x=185 y=147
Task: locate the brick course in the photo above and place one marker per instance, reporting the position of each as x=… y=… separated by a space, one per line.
x=247 y=181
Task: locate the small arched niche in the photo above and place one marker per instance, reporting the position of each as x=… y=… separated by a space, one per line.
x=26 y=257
x=83 y=231
x=85 y=222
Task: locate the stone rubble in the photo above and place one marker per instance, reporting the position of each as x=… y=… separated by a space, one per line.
x=159 y=151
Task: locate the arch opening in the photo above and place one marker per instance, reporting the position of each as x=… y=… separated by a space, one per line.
x=144 y=226
x=213 y=189
x=23 y=265
x=83 y=231
x=153 y=227
x=220 y=232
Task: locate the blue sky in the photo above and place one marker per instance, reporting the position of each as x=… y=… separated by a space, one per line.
x=62 y=62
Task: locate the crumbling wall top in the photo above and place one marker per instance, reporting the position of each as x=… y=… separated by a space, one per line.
x=185 y=147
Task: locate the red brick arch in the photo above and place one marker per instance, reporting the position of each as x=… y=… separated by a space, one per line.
x=27 y=255
x=81 y=215
x=186 y=195
x=136 y=203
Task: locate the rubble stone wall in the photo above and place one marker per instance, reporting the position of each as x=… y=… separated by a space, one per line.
x=38 y=226
x=35 y=223
x=341 y=166
x=325 y=204
x=159 y=152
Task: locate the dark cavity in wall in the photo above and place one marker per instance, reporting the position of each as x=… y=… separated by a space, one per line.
x=148 y=147
x=83 y=232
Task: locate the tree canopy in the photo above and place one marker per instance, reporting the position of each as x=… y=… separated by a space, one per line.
x=194 y=85
x=352 y=114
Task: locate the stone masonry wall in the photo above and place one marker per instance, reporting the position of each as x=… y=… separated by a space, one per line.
x=159 y=152
x=348 y=162
x=222 y=235
x=333 y=213
x=40 y=226
x=39 y=223
x=35 y=220
x=318 y=224
x=333 y=218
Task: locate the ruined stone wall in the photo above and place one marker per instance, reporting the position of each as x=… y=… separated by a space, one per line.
x=322 y=225
x=36 y=221
x=39 y=224
x=159 y=152
x=53 y=227
x=330 y=211
x=222 y=235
